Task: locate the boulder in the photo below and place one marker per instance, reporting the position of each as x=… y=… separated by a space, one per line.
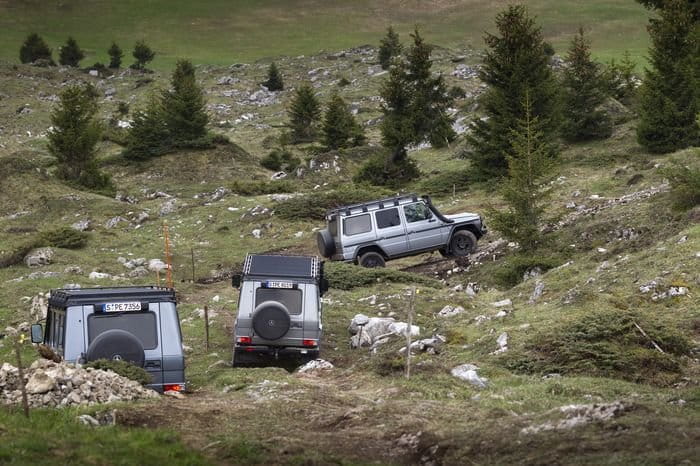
x=449 y=311
x=156 y=265
x=467 y=372
x=82 y=225
x=367 y=331
x=316 y=365
x=39 y=257
x=40 y=382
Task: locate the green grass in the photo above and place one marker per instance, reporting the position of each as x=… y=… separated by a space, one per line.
x=225 y=32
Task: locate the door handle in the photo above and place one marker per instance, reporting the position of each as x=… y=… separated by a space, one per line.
x=431 y=220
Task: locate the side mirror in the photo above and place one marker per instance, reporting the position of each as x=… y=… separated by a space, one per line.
x=236 y=280
x=37 y=333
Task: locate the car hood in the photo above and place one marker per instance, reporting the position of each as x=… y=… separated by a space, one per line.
x=463 y=217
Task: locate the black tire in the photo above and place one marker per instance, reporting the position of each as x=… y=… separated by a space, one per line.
x=463 y=243
x=325 y=242
x=271 y=320
x=116 y=344
x=372 y=259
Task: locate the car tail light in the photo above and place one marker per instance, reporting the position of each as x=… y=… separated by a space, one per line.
x=309 y=343
x=244 y=340
x=173 y=387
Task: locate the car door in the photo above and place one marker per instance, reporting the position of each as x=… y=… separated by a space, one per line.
x=391 y=231
x=423 y=229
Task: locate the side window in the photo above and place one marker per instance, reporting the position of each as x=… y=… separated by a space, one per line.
x=388 y=218
x=357 y=225
x=417 y=212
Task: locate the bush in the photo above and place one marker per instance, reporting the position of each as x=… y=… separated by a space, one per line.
x=123 y=368
x=34 y=48
x=65 y=237
x=280 y=159
x=457 y=92
x=376 y=171
x=70 y=54
x=605 y=343
x=315 y=205
x=347 y=276
x=143 y=54
x=443 y=183
x=511 y=272
x=254 y=188
x=343 y=82
x=685 y=186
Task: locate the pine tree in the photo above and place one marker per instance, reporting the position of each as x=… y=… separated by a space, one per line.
x=75 y=132
x=274 y=79
x=34 y=48
x=516 y=60
x=694 y=6
x=397 y=125
x=430 y=99
x=115 y=55
x=143 y=55
x=620 y=78
x=389 y=47
x=669 y=98
x=184 y=106
x=70 y=54
x=340 y=130
x=525 y=190
x=583 y=95
x=148 y=136
x=304 y=114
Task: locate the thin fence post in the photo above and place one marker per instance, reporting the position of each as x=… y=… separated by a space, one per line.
x=192 y=254
x=22 y=386
x=206 y=327
x=408 y=332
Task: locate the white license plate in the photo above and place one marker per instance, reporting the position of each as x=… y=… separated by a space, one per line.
x=280 y=285
x=121 y=307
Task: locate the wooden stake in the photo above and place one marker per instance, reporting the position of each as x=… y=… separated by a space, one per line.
x=206 y=327
x=648 y=337
x=22 y=386
x=192 y=253
x=408 y=333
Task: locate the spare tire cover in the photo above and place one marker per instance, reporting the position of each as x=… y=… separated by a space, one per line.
x=271 y=320
x=326 y=244
x=116 y=344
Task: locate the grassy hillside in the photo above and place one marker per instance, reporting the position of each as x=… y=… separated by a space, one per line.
x=225 y=32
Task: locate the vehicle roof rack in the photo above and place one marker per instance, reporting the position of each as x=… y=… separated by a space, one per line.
x=373 y=205
x=279 y=266
x=64 y=297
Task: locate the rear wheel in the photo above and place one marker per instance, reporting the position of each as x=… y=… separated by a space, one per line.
x=463 y=243
x=372 y=259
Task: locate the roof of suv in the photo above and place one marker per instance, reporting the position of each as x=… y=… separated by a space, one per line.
x=351 y=209
x=74 y=297
x=277 y=266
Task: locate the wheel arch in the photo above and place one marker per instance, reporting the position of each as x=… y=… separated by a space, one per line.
x=369 y=248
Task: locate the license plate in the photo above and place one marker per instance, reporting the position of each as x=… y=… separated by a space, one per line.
x=121 y=307
x=286 y=285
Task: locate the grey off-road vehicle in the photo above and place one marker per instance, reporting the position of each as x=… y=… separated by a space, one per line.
x=371 y=233
x=279 y=309
x=137 y=324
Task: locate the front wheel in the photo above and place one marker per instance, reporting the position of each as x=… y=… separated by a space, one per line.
x=463 y=243
x=372 y=259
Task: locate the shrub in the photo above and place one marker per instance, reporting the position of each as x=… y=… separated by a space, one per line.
x=446 y=182
x=315 y=205
x=347 y=276
x=685 y=185
x=274 y=79
x=378 y=172
x=511 y=272
x=34 y=48
x=457 y=92
x=123 y=368
x=280 y=159
x=143 y=55
x=254 y=188
x=122 y=108
x=115 y=55
x=343 y=82
x=65 y=237
x=70 y=54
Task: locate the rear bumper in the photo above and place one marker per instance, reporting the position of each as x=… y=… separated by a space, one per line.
x=277 y=350
x=160 y=387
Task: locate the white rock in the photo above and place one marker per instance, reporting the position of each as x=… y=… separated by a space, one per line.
x=156 y=265
x=315 y=365
x=98 y=276
x=468 y=373
x=449 y=311
x=502 y=303
x=257 y=233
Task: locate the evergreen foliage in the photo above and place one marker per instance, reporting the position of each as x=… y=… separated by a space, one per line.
x=620 y=79
x=397 y=125
x=304 y=114
x=389 y=47
x=148 y=136
x=115 y=55
x=516 y=61
x=694 y=6
x=280 y=159
x=274 y=79
x=340 y=130
x=685 y=185
x=184 y=106
x=34 y=48
x=669 y=97
x=143 y=55
x=74 y=135
x=583 y=95
x=70 y=54
x=525 y=190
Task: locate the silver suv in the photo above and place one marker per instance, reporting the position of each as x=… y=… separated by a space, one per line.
x=279 y=308
x=373 y=232
x=138 y=324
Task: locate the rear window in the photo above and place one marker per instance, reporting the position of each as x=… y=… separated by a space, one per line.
x=357 y=225
x=290 y=298
x=140 y=324
x=388 y=218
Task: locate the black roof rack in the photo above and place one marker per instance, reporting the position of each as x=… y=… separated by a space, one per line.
x=279 y=266
x=63 y=298
x=376 y=204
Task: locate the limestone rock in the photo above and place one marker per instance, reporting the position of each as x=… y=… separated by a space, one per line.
x=467 y=372
x=39 y=257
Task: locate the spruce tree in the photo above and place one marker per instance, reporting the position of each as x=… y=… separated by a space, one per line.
x=620 y=79
x=304 y=114
x=516 y=60
x=397 y=126
x=184 y=106
x=115 y=55
x=583 y=95
x=389 y=47
x=669 y=101
x=75 y=132
x=430 y=100
x=70 y=54
x=274 y=79
x=148 y=136
x=340 y=130
x=143 y=55
x=34 y=48
x=525 y=191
